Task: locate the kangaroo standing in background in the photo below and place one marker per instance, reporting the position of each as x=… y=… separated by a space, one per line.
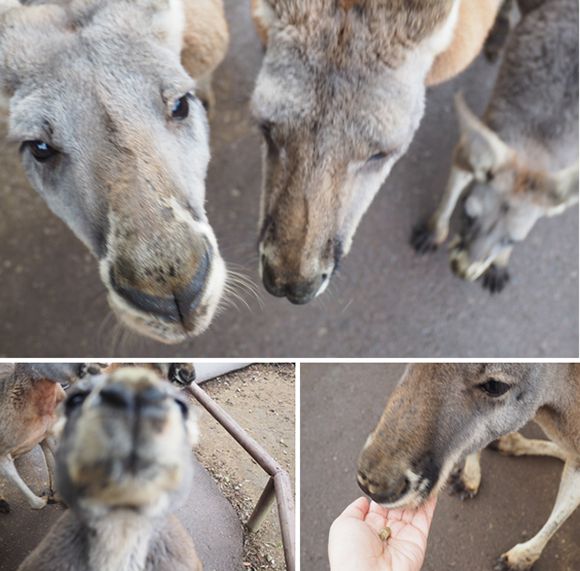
x=124 y=463
x=29 y=396
x=339 y=98
x=520 y=163
x=106 y=100
x=441 y=413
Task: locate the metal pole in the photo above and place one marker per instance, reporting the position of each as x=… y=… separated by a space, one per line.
x=279 y=480
x=258 y=453
x=286 y=515
x=262 y=507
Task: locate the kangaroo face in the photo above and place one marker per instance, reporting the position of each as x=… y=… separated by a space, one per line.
x=437 y=415
x=114 y=139
x=338 y=105
x=496 y=216
x=504 y=199
x=126 y=444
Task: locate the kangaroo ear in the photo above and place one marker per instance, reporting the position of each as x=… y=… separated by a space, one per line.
x=26 y=36
x=480 y=149
x=264 y=18
x=563 y=190
x=167 y=21
x=7 y=76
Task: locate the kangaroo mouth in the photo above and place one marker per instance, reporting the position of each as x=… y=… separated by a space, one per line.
x=168 y=320
x=465 y=268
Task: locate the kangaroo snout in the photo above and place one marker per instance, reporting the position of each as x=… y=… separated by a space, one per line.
x=148 y=402
x=384 y=490
x=172 y=294
x=296 y=289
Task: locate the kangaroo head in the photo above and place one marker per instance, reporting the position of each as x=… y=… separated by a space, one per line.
x=338 y=99
x=114 y=139
x=126 y=444
x=438 y=414
x=504 y=199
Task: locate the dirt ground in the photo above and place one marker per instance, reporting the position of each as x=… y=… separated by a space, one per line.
x=261 y=399
x=340 y=405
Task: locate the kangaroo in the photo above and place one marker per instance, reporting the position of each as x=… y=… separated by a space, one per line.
x=520 y=163
x=440 y=414
x=29 y=397
x=123 y=464
x=338 y=99
x=114 y=137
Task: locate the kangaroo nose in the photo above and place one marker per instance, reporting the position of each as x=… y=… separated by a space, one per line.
x=381 y=492
x=121 y=397
x=302 y=292
x=297 y=291
x=117 y=396
x=177 y=307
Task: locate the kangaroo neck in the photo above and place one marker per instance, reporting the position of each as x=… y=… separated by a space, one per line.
x=119 y=542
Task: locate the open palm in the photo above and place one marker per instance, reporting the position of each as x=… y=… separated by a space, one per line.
x=354 y=543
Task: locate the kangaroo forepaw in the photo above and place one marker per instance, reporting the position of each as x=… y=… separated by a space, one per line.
x=423 y=239
x=495 y=279
x=503 y=564
x=508 y=444
x=461 y=487
x=4 y=507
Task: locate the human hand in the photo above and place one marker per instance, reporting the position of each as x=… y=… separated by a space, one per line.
x=354 y=543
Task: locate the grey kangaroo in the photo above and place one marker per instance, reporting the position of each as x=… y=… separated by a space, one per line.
x=114 y=136
x=124 y=463
x=29 y=397
x=440 y=414
x=339 y=98
x=520 y=162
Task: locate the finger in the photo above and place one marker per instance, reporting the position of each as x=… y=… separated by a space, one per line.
x=430 y=508
x=377 y=508
x=375 y=521
x=357 y=510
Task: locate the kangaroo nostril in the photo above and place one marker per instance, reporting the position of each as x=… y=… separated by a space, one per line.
x=271 y=283
x=188 y=298
x=150 y=396
x=117 y=396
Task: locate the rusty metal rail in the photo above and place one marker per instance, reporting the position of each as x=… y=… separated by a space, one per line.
x=279 y=486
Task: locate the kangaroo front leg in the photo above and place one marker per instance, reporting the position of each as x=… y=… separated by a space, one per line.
x=465 y=482
x=497 y=276
x=514 y=444
x=524 y=555
x=427 y=236
x=8 y=470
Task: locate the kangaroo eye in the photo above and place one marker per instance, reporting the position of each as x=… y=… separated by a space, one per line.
x=180 y=108
x=40 y=150
x=75 y=401
x=494 y=388
x=381 y=156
